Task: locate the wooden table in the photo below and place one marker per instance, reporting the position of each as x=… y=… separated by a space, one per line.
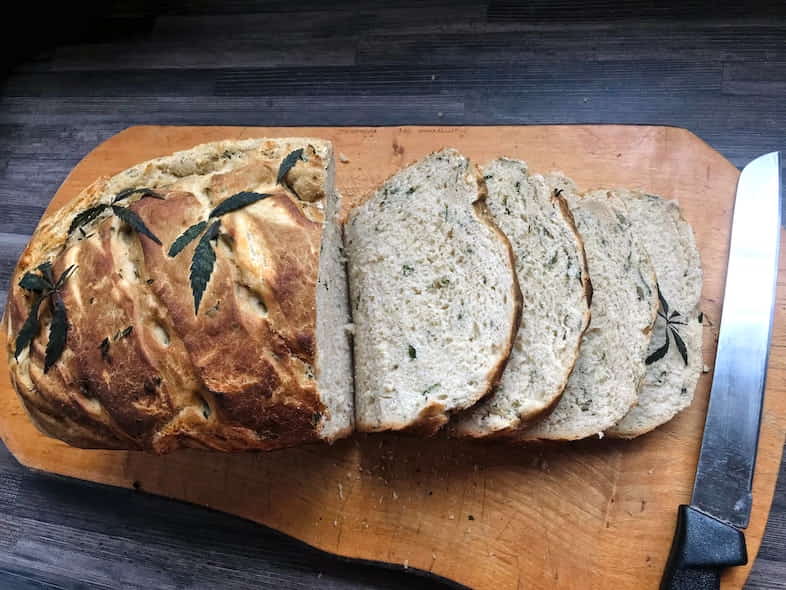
x=487 y=62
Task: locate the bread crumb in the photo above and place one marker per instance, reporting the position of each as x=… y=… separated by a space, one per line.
x=406 y=564
x=705 y=369
x=651 y=471
x=342 y=158
x=451 y=516
x=381 y=499
x=335 y=523
x=600 y=435
x=434 y=556
x=395 y=495
x=341 y=492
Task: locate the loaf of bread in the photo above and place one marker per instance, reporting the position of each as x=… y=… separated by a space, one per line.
x=184 y=303
x=212 y=299
x=555 y=287
x=434 y=296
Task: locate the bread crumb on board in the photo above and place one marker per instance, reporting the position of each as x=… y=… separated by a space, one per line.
x=342 y=158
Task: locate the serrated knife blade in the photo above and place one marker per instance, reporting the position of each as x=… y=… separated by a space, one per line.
x=708 y=538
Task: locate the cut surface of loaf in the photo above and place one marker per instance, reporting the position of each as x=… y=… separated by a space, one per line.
x=604 y=383
x=552 y=275
x=434 y=296
x=671 y=377
x=259 y=360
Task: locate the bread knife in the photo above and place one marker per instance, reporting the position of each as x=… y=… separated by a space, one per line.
x=709 y=534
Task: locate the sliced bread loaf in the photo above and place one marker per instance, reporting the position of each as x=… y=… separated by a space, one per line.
x=605 y=381
x=552 y=273
x=434 y=294
x=674 y=359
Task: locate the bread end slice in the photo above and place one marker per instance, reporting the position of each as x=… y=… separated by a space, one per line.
x=672 y=373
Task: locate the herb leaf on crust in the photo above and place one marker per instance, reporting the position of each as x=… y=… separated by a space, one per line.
x=58 y=332
x=86 y=216
x=202 y=264
x=29 y=329
x=64 y=276
x=235 y=202
x=145 y=192
x=135 y=222
x=104 y=348
x=36 y=283
x=186 y=238
x=287 y=164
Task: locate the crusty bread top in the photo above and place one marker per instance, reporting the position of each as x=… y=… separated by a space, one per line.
x=239 y=374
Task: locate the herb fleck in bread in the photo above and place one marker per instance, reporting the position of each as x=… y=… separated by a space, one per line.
x=605 y=381
x=671 y=378
x=435 y=299
x=555 y=287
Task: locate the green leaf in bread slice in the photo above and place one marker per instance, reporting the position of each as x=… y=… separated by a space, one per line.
x=680 y=345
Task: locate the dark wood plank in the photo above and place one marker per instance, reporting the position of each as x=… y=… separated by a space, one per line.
x=715 y=68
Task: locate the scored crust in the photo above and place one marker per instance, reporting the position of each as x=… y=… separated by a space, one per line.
x=238 y=375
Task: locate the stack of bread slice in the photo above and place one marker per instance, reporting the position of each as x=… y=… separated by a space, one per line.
x=508 y=305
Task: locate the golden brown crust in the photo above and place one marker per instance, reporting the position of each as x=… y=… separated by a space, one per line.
x=140 y=369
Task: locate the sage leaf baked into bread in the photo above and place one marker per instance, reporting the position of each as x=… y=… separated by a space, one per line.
x=552 y=274
x=435 y=299
x=672 y=375
x=605 y=382
x=266 y=363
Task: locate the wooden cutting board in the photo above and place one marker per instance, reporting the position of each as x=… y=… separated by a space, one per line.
x=595 y=514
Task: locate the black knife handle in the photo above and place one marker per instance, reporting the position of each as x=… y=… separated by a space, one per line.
x=702 y=546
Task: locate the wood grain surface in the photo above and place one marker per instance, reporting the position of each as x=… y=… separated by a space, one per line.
x=75 y=77
x=587 y=515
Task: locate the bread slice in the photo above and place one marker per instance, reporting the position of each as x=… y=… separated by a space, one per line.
x=552 y=273
x=435 y=299
x=670 y=379
x=605 y=381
